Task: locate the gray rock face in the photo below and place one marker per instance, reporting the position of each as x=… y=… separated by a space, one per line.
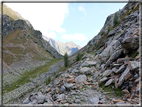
x=111 y=33
x=9 y=24
x=130 y=43
x=88 y=63
x=80 y=78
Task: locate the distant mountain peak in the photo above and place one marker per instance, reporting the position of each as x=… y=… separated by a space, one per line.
x=70 y=47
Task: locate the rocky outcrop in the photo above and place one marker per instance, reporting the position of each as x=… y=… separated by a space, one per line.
x=10 y=25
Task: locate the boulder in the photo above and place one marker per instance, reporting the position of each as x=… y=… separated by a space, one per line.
x=103 y=80
x=47 y=97
x=88 y=63
x=34 y=101
x=61 y=96
x=121 y=69
x=109 y=82
x=130 y=44
x=96 y=74
x=123 y=60
x=40 y=99
x=85 y=70
x=94 y=100
x=111 y=48
x=114 y=69
x=74 y=71
x=64 y=75
x=71 y=80
x=56 y=82
x=53 y=91
x=111 y=33
x=113 y=57
x=107 y=73
x=26 y=101
x=77 y=101
x=62 y=89
x=99 y=51
x=125 y=75
x=80 y=78
x=133 y=65
x=68 y=85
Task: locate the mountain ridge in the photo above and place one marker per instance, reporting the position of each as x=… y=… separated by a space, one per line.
x=69 y=47
x=24 y=50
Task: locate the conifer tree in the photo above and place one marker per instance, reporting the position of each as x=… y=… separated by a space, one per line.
x=66 y=60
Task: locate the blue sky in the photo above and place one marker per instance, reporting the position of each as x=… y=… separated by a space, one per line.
x=77 y=22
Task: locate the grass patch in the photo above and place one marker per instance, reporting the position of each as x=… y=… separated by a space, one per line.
x=10 y=12
x=16 y=50
x=80 y=90
x=48 y=80
x=93 y=53
x=33 y=74
x=89 y=75
x=8 y=58
x=135 y=54
x=117 y=91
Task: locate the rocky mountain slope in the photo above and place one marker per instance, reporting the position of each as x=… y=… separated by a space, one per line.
x=24 y=50
x=109 y=71
x=62 y=48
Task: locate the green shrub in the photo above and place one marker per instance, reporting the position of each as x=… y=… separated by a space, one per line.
x=132 y=8
x=66 y=60
x=48 y=80
x=115 y=21
x=108 y=30
x=135 y=54
x=78 y=57
x=102 y=33
x=56 y=75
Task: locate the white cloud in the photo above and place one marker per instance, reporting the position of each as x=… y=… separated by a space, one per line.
x=45 y=17
x=80 y=8
x=77 y=36
x=51 y=34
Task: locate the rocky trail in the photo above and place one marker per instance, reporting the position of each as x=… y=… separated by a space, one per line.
x=81 y=84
